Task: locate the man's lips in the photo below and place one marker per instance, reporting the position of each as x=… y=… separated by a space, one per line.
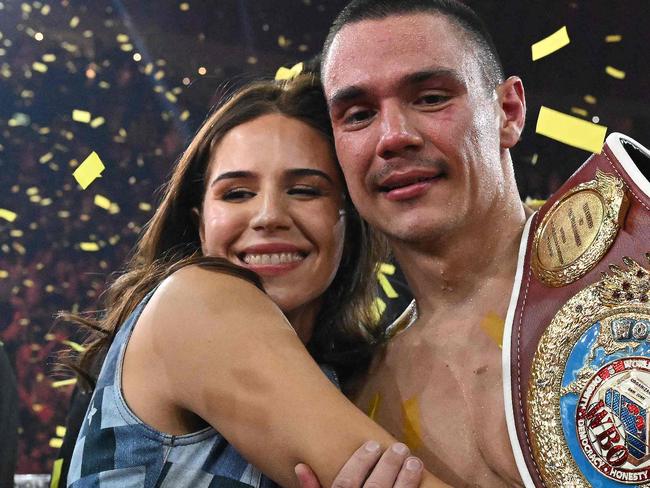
x=407 y=185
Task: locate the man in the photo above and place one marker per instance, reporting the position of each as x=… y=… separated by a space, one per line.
x=424 y=120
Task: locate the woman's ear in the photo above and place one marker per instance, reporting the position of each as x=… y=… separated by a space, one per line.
x=198 y=221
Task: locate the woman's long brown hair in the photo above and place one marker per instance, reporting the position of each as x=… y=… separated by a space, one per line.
x=170 y=240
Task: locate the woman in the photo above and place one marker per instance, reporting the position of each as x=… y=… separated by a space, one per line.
x=212 y=358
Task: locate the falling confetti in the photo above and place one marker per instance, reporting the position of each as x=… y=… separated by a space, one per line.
x=615 y=73
x=614 y=38
x=89 y=170
x=570 y=130
x=81 y=116
x=8 y=215
x=550 y=44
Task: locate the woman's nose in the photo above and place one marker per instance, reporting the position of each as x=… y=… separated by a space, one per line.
x=272 y=214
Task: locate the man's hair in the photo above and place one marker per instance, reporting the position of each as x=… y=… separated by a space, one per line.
x=458 y=13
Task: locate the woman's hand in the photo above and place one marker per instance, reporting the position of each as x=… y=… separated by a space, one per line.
x=368 y=468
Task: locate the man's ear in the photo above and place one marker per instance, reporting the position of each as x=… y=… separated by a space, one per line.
x=198 y=221
x=512 y=100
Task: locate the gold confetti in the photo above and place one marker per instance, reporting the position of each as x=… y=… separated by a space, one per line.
x=590 y=99
x=102 y=201
x=74 y=22
x=45 y=158
x=283 y=41
x=75 y=346
x=383 y=270
x=144 y=206
x=4 y=274
x=89 y=170
x=89 y=246
x=16 y=233
x=288 y=73
x=122 y=38
x=550 y=44
x=96 y=122
x=40 y=67
x=60 y=431
x=374 y=405
x=570 y=130
x=614 y=38
x=62 y=383
x=8 y=215
x=579 y=111
x=377 y=309
x=81 y=116
x=184 y=7
x=185 y=115
x=615 y=73
x=411 y=426
x=493 y=326
x=56 y=443
x=56 y=473
x=534 y=159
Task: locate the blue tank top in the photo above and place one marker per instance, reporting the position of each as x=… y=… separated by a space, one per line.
x=115 y=449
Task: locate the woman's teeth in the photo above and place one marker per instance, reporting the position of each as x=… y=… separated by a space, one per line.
x=275 y=258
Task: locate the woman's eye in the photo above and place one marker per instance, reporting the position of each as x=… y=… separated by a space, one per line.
x=237 y=194
x=307 y=191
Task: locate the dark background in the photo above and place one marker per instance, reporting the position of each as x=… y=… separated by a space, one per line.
x=152 y=106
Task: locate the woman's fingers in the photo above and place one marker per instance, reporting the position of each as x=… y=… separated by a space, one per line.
x=369 y=468
x=306 y=477
x=356 y=470
x=411 y=473
x=389 y=467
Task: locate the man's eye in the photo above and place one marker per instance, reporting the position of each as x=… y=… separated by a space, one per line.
x=358 y=117
x=306 y=191
x=432 y=99
x=237 y=194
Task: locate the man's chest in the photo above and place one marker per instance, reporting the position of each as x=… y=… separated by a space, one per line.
x=444 y=399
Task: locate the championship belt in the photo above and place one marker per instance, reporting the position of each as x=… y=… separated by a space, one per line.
x=576 y=349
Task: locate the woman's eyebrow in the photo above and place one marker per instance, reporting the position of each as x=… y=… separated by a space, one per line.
x=232 y=174
x=309 y=172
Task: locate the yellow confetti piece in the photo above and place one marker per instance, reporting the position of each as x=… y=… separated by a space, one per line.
x=74 y=22
x=534 y=159
x=374 y=405
x=289 y=73
x=126 y=47
x=37 y=407
x=411 y=426
x=89 y=246
x=171 y=97
x=102 y=201
x=40 y=67
x=8 y=215
x=56 y=473
x=283 y=41
x=185 y=115
x=614 y=38
x=45 y=158
x=60 y=431
x=579 y=111
x=615 y=73
x=570 y=130
x=113 y=209
x=74 y=345
x=590 y=99
x=144 y=206
x=493 y=326
x=184 y=7
x=377 y=309
x=96 y=122
x=16 y=233
x=383 y=270
x=122 y=38
x=56 y=443
x=89 y=170
x=81 y=116
x=550 y=44
x=62 y=383
x=3 y=274
x=19 y=248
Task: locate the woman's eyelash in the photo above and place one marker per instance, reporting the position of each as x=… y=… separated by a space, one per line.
x=304 y=190
x=237 y=194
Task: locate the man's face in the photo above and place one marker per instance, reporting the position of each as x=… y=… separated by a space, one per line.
x=416 y=127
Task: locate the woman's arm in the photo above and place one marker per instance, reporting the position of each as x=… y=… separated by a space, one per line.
x=226 y=353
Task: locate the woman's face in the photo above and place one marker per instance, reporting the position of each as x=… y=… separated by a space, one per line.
x=273 y=204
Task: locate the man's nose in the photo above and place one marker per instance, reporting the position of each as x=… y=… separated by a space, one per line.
x=271 y=214
x=398 y=133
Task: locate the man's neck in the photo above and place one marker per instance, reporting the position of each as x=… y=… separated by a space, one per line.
x=457 y=267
